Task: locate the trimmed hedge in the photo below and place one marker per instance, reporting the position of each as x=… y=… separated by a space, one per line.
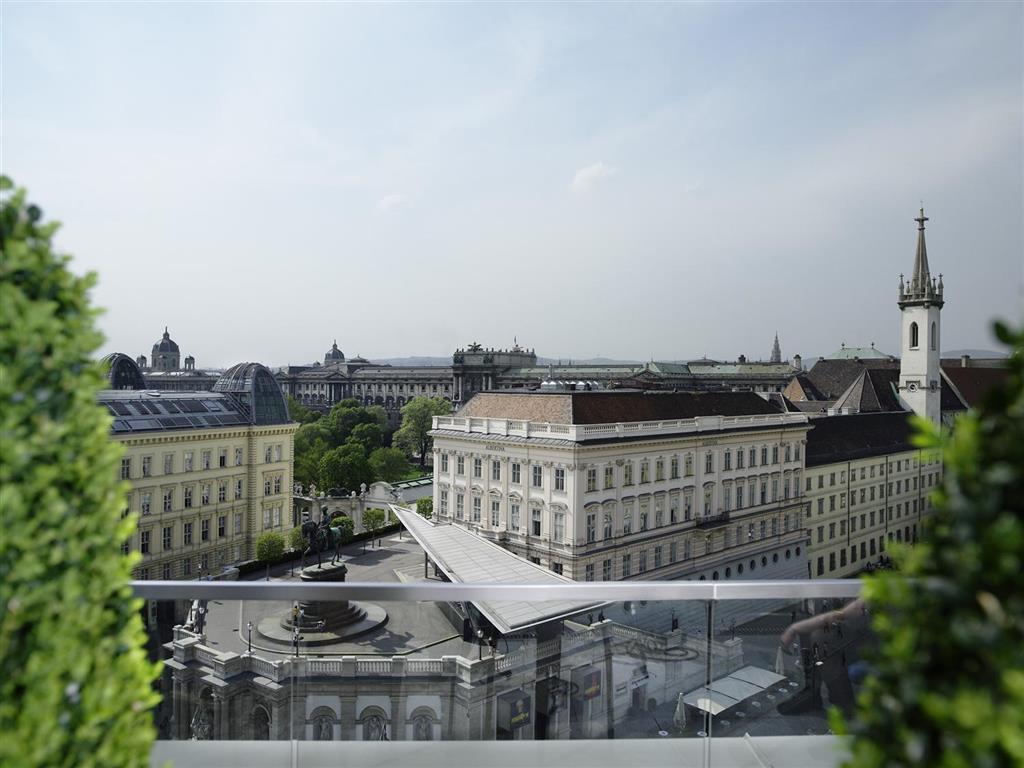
x=75 y=683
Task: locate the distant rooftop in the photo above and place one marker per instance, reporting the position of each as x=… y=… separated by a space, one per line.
x=859 y=353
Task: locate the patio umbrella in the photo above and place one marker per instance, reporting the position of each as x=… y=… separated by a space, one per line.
x=679 y=718
x=780 y=664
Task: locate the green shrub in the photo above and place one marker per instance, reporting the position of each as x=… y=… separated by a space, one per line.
x=270 y=547
x=296 y=541
x=947 y=688
x=425 y=507
x=374 y=519
x=75 y=684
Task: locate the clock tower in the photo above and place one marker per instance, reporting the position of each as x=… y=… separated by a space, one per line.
x=920 y=303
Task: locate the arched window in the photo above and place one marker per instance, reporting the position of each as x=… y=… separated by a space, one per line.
x=260 y=724
x=913 y=335
x=933 y=339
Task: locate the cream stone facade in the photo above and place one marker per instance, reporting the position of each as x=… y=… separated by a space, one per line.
x=711 y=496
x=203 y=497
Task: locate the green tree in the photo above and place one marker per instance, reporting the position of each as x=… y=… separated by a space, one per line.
x=370 y=436
x=343 y=418
x=345 y=467
x=300 y=412
x=374 y=519
x=417 y=419
x=270 y=547
x=389 y=464
x=425 y=507
x=312 y=441
x=947 y=687
x=296 y=541
x=344 y=522
x=75 y=684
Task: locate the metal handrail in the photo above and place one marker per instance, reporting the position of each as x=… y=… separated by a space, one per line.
x=613 y=591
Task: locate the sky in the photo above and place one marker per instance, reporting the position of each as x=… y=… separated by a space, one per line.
x=622 y=180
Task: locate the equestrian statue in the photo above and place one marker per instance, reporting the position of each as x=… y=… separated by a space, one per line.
x=322 y=537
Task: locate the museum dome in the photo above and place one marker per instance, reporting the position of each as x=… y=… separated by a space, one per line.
x=165 y=344
x=334 y=355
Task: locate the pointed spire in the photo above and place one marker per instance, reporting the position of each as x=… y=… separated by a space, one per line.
x=920 y=279
x=166 y=332
x=776 y=350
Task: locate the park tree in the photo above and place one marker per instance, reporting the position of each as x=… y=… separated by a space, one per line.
x=345 y=416
x=75 y=683
x=270 y=547
x=300 y=412
x=389 y=464
x=370 y=436
x=425 y=507
x=947 y=686
x=417 y=419
x=296 y=541
x=374 y=519
x=345 y=467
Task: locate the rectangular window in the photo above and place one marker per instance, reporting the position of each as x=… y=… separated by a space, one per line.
x=591 y=528
x=186 y=566
x=687 y=549
x=266 y=454
x=513 y=514
x=126 y=468
x=559 y=479
x=188 y=461
x=495 y=513
x=516 y=469
x=238 y=525
x=204 y=531
x=476 y=509
x=168 y=500
x=460 y=504
x=167 y=533
x=496 y=471
x=591 y=480
x=775 y=454
x=147 y=466
x=559 y=531
x=188 y=496
x=727 y=461
x=673 y=551
x=627 y=473
x=608 y=525
x=144 y=542
x=657 y=557
x=238 y=457
x=589 y=572
x=443 y=502
x=739 y=497
x=627 y=520
x=674 y=468
x=645 y=472
x=739 y=458
x=538 y=477
x=277 y=484
x=831 y=531
x=609 y=477
x=145 y=502
x=278 y=451
x=709 y=462
x=266 y=486
x=222 y=526
x=238 y=488
x=659 y=470
x=626 y=565
x=478 y=467
x=222 y=492
x=643 y=562
x=688 y=505
x=821 y=566
x=688 y=465
x=535 y=522
x=764 y=455
x=752 y=455
x=222 y=457
x=168 y=463
x=606 y=570
x=186 y=536
x=206 y=459
x=460 y=465
x=205 y=495
x=831 y=561
x=821 y=533
x=444 y=462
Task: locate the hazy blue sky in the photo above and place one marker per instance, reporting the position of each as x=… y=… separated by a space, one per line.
x=617 y=180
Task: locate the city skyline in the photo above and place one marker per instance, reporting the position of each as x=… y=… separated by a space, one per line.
x=409 y=179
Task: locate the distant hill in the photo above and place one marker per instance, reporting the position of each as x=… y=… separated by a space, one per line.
x=973 y=353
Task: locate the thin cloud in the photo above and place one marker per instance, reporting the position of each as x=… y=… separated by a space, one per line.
x=389 y=203
x=587 y=177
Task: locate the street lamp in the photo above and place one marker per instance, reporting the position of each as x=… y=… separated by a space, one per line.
x=249 y=627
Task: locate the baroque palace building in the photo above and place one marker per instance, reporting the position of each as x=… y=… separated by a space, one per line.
x=625 y=484
x=208 y=471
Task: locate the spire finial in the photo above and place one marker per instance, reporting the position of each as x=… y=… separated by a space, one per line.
x=921 y=219
x=166 y=332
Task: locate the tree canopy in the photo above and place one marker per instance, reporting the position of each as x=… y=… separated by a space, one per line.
x=75 y=683
x=417 y=420
x=390 y=464
x=270 y=546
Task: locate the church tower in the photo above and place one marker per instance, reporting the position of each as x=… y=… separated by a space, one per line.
x=776 y=350
x=920 y=303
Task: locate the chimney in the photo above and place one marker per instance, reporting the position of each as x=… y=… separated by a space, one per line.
x=965 y=361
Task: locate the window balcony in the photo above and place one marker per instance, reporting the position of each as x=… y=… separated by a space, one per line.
x=604 y=673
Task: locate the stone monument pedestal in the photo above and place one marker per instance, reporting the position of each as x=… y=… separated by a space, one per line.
x=323 y=622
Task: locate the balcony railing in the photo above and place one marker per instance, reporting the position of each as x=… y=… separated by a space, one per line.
x=649 y=673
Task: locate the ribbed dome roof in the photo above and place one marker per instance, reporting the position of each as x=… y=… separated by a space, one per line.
x=165 y=344
x=334 y=353
x=123 y=372
x=257 y=388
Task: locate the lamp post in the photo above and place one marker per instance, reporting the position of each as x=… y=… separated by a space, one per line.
x=249 y=627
